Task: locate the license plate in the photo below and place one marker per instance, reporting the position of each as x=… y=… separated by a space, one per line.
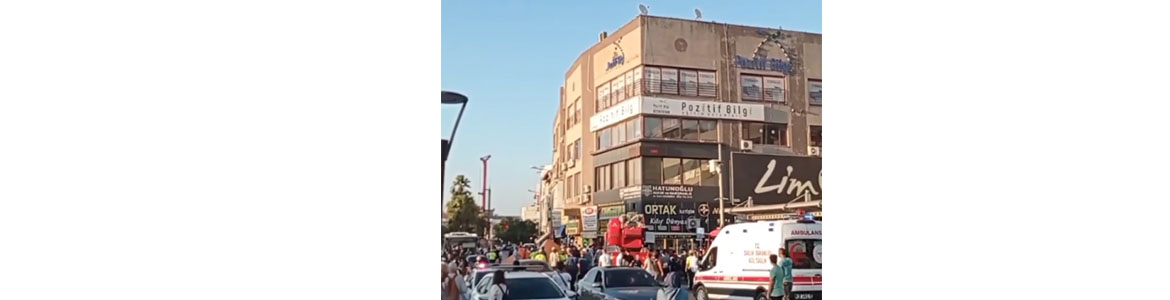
x=803 y=296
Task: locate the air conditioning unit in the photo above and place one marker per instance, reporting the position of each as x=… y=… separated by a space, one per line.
x=745 y=145
x=814 y=151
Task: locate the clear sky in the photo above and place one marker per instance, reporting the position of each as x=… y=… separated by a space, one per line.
x=510 y=58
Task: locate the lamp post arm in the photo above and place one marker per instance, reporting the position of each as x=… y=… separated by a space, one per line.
x=456 y=128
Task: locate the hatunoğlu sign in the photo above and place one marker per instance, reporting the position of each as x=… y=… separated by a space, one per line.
x=772 y=179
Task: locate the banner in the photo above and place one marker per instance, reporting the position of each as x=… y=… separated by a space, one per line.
x=761 y=179
x=589 y=219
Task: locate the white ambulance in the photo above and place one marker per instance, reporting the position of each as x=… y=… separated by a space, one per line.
x=736 y=265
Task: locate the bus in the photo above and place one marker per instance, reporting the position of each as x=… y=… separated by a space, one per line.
x=463 y=239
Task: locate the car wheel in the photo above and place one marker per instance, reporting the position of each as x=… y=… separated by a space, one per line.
x=701 y=293
x=761 y=295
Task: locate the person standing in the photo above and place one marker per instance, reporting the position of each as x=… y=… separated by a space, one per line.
x=692 y=266
x=605 y=260
x=780 y=276
x=651 y=265
x=499 y=289
x=573 y=266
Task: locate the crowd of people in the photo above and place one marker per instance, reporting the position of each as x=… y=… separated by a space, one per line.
x=674 y=268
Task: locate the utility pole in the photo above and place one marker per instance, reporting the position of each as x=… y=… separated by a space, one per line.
x=483 y=200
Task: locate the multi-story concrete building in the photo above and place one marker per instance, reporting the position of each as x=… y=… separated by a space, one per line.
x=646 y=110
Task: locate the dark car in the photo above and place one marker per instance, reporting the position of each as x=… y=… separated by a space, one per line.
x=624 y=283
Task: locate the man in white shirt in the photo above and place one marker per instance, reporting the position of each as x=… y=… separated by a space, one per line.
x=605 y=260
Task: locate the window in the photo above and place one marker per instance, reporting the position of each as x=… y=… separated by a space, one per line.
x=606 y=140
x=762 y=88
x=671 y=128
x=621 y=278
x=691 y=171
x=636 y=89
x=671 y=171
x=707 y=130
x=751 y=87
x=774 y=89
x=814 y=133
x=653 y=127
x=603 y=96
x=707 y=84
x=814 y=92
x=765 y=133
x=669 y=81
x=689 y=82
x=634 y=172
x=652 y=170
x=570 y=191
x=803 y=253
x=619 y=174
x=690 y=129
x=629 y=79
x=633 y=129
x=533 y=288
x=577 y=149
x=602 y=179
x=653 y=80
x=577 y=111
x=710 y=261
x=619 y=135
x=709 y=178
x=618 y=92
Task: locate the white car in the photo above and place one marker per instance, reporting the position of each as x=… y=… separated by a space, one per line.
x=524 y=285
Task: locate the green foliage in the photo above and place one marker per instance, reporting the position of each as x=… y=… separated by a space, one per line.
x=462 y=212
x=515 y=230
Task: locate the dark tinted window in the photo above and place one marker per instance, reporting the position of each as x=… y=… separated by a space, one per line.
x=805 y=254
x=653 y=127
x=629 y=278
x=690 y=129
x=533 y=288
x=651 y=170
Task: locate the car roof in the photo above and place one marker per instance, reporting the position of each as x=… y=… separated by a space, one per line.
x=524 y=274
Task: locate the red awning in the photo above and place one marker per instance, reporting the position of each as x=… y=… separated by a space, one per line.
x=714 y=232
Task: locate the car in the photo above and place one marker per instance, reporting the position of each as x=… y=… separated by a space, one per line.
x=535 y=265
x=524 y=285
x=625 y=283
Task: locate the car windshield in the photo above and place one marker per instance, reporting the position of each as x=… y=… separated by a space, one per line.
x=533 y=288
x=478 y=276
x=629 y=278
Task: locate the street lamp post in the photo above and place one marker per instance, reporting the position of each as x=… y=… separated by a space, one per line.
x=449 y=98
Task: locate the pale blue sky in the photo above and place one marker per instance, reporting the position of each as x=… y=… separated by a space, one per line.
x=510 y=58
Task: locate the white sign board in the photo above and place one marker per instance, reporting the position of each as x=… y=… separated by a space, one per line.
x=614 y=114
x=703 y=109
x=677 y=108
x=589 y=219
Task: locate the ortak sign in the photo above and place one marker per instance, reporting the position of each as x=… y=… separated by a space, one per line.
x=773 y=179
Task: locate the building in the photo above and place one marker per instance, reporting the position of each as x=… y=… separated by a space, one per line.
x=531 y=212
x=646 y=110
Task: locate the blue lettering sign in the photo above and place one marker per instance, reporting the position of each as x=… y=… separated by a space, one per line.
x=764 y=63
x=617 y=60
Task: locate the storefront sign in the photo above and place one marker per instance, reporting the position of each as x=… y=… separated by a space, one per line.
x=678 y=108
x=771 y=179
x=673 y=216
x=572 y=227
x=609 y=212
x=617 y=113
x=703 y=109
x=764 y=64
x=589 y=219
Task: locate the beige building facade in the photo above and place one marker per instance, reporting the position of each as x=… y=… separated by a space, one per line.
x=646 y=110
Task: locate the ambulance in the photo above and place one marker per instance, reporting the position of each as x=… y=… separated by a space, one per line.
x=736 y=265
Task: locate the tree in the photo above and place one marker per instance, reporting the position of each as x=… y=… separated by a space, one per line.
x=515 y=230
x=462 y=212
